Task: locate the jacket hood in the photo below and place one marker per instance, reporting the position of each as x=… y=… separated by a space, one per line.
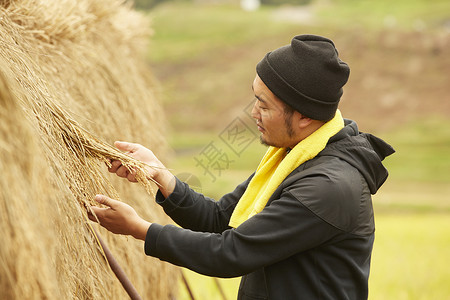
x=363 y=151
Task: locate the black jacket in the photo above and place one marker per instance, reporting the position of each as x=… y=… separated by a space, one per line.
x=313 y=240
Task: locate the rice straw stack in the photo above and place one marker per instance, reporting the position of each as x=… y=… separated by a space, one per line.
x=72 y=80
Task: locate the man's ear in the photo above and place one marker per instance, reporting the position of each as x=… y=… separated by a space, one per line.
x=303 y=121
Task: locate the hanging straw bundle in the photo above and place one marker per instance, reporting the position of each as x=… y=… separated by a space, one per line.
x=72 y=81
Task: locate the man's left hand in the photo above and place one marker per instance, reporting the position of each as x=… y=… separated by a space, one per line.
x=119 y=218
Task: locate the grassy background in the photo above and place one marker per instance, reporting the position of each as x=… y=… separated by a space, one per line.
x=204 y=57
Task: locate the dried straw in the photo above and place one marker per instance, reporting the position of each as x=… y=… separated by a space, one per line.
x=73 y=71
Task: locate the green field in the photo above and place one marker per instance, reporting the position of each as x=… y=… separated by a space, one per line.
x=205 y=64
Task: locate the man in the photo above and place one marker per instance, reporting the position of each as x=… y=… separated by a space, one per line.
x=301 y=226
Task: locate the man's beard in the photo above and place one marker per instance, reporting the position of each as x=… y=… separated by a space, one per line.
x=289 y=131
x=263 y=142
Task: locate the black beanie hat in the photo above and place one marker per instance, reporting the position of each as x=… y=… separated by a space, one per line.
x=307 y=75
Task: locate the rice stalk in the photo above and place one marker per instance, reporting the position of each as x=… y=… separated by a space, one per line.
x=74 y=80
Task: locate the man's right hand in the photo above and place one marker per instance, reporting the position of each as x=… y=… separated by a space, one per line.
x=155 y=169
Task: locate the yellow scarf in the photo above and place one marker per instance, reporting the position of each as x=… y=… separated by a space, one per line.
x=276 y=165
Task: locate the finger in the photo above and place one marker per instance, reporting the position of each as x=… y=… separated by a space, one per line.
x=90 y=215
x=115 y=164
x=132 y=177
x=122 y=171
x=96 y=213
x=102 y=199
x=125 y=146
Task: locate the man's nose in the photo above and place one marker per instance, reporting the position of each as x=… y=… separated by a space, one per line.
x=255 y=111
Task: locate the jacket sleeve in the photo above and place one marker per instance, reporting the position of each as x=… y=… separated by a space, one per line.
x=284 y=228
x=192 y=210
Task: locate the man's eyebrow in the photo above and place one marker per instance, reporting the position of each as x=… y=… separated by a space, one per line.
x=260 y=99
x=257 y=97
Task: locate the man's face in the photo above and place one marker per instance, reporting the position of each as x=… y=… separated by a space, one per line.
x=276 y=126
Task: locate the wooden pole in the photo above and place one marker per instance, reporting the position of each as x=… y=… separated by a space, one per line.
x=186 y=284
x=219 y=287
x=118 y=271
